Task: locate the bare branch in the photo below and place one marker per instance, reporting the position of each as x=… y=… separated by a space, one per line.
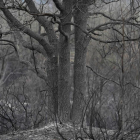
x=98 y=28
x=108 y=79
x=48 y=48
x=59 y=5
x=43 y=21
x=109 y=1
x=27 y=45
x=40 y=73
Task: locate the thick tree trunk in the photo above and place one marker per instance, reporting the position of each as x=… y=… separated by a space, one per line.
x=64 y=64
x=64 y=82
x=81 y=42
x=52 y=84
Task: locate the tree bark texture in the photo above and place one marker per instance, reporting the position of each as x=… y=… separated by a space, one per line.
x=81 y=42
x=64 y=63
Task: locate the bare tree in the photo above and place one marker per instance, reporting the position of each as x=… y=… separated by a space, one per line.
x=54 y=45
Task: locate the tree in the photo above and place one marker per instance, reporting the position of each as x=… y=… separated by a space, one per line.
x=54 y=45
x=59 y=76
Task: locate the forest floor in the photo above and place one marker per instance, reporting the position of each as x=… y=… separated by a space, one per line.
x=51 y=132
x=64 y=132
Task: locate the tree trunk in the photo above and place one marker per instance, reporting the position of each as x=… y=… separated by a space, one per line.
x=52 y=84
x=81 y=42
x=64 y=64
